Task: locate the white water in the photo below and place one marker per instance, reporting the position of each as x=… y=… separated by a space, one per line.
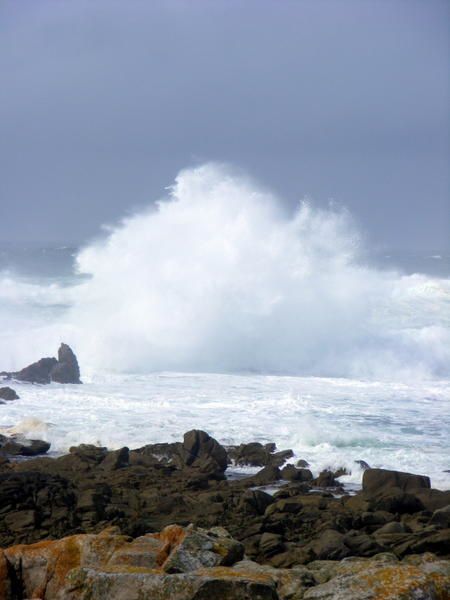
x=329 y=422
x=219 y=278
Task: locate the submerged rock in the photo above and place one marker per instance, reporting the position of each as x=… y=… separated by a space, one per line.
x=7 y=393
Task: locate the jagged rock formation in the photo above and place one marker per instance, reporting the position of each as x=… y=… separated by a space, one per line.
x=65 y=369
x=144 y=490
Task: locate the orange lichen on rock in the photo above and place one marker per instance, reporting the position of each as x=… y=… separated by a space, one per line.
x=392 y=582
x=230 y=573
x=171 y=536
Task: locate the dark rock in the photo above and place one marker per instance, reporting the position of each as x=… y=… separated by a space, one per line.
x=66 y=370
x=117 y=459
x=268 y=475
x=377 y=480
x=395 y=500
x=20 y=446
x=45 y=370
x=38 y=372
x=326 y=479
x=270 y=447
x=393 y=527
x=441 y=517
x=291 y=473
x=330 y=545
x=7 y=393
x=204 y=453
x=270 y=544
x=256 y=501
x=253 y=454
x=433 y=499
x=362 y=544
x=302 y=464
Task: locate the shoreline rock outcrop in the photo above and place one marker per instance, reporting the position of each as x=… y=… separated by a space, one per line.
x=316 y=538
x=64 y=369
x=190 y=563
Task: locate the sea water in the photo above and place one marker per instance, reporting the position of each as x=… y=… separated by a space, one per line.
x=217 y=309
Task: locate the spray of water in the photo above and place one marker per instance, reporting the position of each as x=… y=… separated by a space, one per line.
x=218 y=277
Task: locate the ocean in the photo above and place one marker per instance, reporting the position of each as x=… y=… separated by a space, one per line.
x=218 y=310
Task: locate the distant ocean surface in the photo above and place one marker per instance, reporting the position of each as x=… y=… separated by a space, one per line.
x=227 y=316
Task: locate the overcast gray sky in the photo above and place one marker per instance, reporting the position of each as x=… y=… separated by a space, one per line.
x=103 y=101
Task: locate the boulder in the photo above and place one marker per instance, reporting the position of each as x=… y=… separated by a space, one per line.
x=204 y=454
x=373 y=579
x=378 y=480
x=326 y=479
x=7 y=393
x=255 y=454
x=193 y=548
x=330 y=545
x=20 y=446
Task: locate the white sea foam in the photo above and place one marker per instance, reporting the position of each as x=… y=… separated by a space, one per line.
x=329 y=422
x=218 y=277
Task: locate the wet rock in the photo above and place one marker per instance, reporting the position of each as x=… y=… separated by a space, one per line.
x=266 y=476
x=203 y=453
x=326 y=479
x=441 y=517
x=291 y=473
x=21 y=446
x=302 y=464
x=379 y=480
x=330 y=545
x=66 y=370
x=38 y=372
x=255 y=501
x=255 y=454
x=7 y=393
x=433 y=499
x=394 y=500
x=270 y=544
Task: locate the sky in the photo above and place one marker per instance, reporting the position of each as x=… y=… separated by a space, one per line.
x=102 y=102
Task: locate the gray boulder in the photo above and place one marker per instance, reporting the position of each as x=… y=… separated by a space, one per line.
x=7 y=393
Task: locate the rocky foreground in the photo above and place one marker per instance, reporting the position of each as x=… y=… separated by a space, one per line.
x=162 y=522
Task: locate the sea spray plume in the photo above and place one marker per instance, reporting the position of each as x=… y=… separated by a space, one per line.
x=219 y=277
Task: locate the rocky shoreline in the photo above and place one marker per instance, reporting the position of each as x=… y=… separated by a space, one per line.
x=310 y=539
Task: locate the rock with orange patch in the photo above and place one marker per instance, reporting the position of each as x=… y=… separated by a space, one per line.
x=198 y=548
x=376 y=580
x=42 y=568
